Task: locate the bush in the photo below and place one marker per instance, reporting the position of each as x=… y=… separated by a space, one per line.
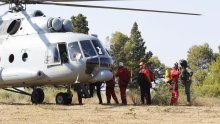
x=211 y=83
x=134 y=96
x=212 y=90
x=161 y=94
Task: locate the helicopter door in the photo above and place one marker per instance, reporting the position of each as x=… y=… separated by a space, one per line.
x=63 y=53
x=52 y=55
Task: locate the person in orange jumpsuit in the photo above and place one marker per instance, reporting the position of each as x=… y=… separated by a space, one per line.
x=175 y=73
x=110 y=91
x=124 y=76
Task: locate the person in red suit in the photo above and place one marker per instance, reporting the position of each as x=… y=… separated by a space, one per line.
x=175 y=73
x=144 y=82
x=110 y=91
x=124 y=76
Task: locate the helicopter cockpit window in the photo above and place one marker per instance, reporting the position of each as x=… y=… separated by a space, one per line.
x=98 y=47
x=87 y=48
x=74 y=51
x=14 y=26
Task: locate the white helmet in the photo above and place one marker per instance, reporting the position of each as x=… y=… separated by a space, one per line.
x=121 y=64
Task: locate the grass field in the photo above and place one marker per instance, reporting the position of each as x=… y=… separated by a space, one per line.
x=15 y=108
x=107 y=114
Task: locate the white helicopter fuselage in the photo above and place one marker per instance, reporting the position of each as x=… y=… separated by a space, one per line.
x=31 y=54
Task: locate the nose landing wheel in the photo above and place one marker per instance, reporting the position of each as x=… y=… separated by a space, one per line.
x=63 y=98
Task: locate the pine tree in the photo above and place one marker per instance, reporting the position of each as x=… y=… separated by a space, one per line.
x=80 y=24
x=135 y=50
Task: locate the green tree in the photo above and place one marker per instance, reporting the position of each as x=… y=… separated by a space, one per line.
x=80 y=24
x=199 y=76
x=200 y=56
x=118 y=41
x=211 y=84
x=135 y=50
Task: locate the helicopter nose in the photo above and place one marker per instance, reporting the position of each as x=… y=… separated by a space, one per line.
x=102 y=62
x=101 y=76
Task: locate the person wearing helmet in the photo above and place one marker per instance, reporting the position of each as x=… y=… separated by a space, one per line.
x=124 y=76
x=144 y=82
x=174 y=84
x=186 y=79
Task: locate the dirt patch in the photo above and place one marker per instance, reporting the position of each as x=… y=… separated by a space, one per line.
x=106 y=114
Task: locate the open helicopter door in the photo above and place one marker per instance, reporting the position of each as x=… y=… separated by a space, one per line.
x=63 y=53
x=56 y=54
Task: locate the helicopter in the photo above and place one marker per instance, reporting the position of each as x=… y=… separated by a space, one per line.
x=36 y=50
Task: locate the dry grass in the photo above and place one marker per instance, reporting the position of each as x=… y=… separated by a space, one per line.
x=15 y=108
x=106 y=114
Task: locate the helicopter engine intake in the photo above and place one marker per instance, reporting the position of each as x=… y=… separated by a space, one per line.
x=102 y=75
x=59 y=25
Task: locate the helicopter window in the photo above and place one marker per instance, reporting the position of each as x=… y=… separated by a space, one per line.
x=11 y=58
x=98 y=47
x=24 y=57
x=87 y=48
x=74 y=51
x=14 y=26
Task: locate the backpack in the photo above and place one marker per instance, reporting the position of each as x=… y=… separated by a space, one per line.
x=168 y=75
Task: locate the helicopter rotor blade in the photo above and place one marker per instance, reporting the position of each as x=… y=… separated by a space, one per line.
x=73 y=0
x=117 y=8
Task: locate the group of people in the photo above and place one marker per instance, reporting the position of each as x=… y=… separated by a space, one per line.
x=123 y=75
x=145 y=79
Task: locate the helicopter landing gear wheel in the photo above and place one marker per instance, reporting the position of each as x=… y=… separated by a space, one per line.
x=37 y=96
x=60 y=99
x=63 y=99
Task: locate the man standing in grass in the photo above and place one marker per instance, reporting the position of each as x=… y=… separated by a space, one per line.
x=174 y=84
x=144 y=82
x=124 y=76
x=186 y=78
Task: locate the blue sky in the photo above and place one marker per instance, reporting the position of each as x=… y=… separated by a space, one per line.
x=168 y=36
